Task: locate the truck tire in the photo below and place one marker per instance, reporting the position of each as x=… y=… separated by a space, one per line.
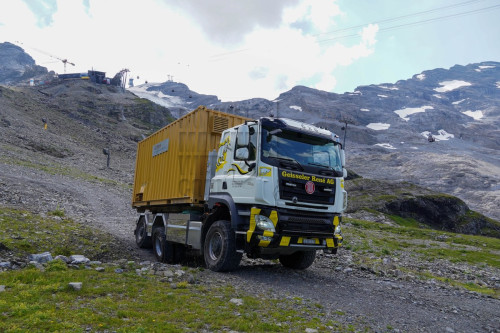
x=298 y=260
x=163 y=250
x=141 y=235
x=219 y=249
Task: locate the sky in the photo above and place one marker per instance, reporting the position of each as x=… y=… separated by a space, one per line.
x=245 y=49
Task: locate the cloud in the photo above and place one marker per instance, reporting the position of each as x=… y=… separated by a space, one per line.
x=253 y=49
x=227 y=22
x=43 y=10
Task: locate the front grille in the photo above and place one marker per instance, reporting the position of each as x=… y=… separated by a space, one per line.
x=293 y=223
x=295 y=190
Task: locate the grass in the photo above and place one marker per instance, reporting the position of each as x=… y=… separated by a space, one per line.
x=26 y=233
x=43 y=301
x=371 y=241
x=36 y=300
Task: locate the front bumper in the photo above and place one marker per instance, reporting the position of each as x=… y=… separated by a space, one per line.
x=295 y=229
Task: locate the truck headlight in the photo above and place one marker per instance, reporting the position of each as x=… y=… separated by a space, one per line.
x=338 y=230
x=264 y=223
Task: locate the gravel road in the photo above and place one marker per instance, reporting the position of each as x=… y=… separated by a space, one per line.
x=347 y=293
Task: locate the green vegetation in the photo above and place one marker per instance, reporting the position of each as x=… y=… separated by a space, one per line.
x=371 y=241
x=43 y=301
x=26 y=233
x=39 y=300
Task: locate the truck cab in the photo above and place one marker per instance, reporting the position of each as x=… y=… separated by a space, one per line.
x=282 y=184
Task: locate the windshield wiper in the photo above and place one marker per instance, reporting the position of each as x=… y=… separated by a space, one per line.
x=322 y=165
x=327 y=167
x=284 y=159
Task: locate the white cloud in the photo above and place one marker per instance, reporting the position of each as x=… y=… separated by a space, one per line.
x=237 y=51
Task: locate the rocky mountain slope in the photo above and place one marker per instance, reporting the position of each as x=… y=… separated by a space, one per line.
x=18 y=67
x=388 y=126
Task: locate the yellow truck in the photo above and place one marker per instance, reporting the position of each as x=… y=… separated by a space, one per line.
x=221 y=185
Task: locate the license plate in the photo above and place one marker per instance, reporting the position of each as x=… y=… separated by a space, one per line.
x=309 y=241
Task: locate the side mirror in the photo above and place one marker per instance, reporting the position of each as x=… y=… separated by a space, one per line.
x=242 y=153
x=243 y=136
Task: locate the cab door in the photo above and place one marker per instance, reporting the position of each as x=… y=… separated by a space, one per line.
x=243 y=169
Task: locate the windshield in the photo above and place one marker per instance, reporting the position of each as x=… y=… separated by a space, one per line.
x=298 y=150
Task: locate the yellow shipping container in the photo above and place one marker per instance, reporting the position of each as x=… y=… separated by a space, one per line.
x=171 y=164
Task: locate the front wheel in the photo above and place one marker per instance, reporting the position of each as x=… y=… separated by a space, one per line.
x=219 y=249
x=298 y=260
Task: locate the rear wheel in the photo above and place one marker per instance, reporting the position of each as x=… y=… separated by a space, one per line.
x=298 y=260
x=219 y=249
x=141 y=234
x=161 y=248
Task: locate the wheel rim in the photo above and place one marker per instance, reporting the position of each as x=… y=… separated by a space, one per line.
x=139 y=234
x=215 y=246
x=158 y=247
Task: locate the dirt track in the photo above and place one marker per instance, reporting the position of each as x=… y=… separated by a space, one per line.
x=346 y=292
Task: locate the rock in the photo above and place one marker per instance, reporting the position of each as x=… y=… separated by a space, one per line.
x=190 y=279
x=311 y=330
x=63 y=258
x=237 y=301
x=5 y=264
x=75 y=285
x=2 y=288
x=40 y=257
x=118 y=270
x=37 y=265
x=78 y=259
x=100 y=269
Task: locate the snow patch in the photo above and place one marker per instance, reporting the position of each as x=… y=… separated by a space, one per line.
x=156 y=97
x=451 y=85
x=484 y=67
x=383 y=96
x=441 y=136
x=458 y=102
x=364 y=110
x=295 y=107
x=389 y=88
x=385 y=145
x=404 y=113
x=421 y=77
x=378 y=126
x=437 y=96
x=478 y=114
x=498 y=84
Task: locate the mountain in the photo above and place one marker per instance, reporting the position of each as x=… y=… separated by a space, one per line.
x=18 y=67
x=175 y=96
x=388 y=126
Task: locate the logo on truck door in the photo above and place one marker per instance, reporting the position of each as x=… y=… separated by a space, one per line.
x=221 y=156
